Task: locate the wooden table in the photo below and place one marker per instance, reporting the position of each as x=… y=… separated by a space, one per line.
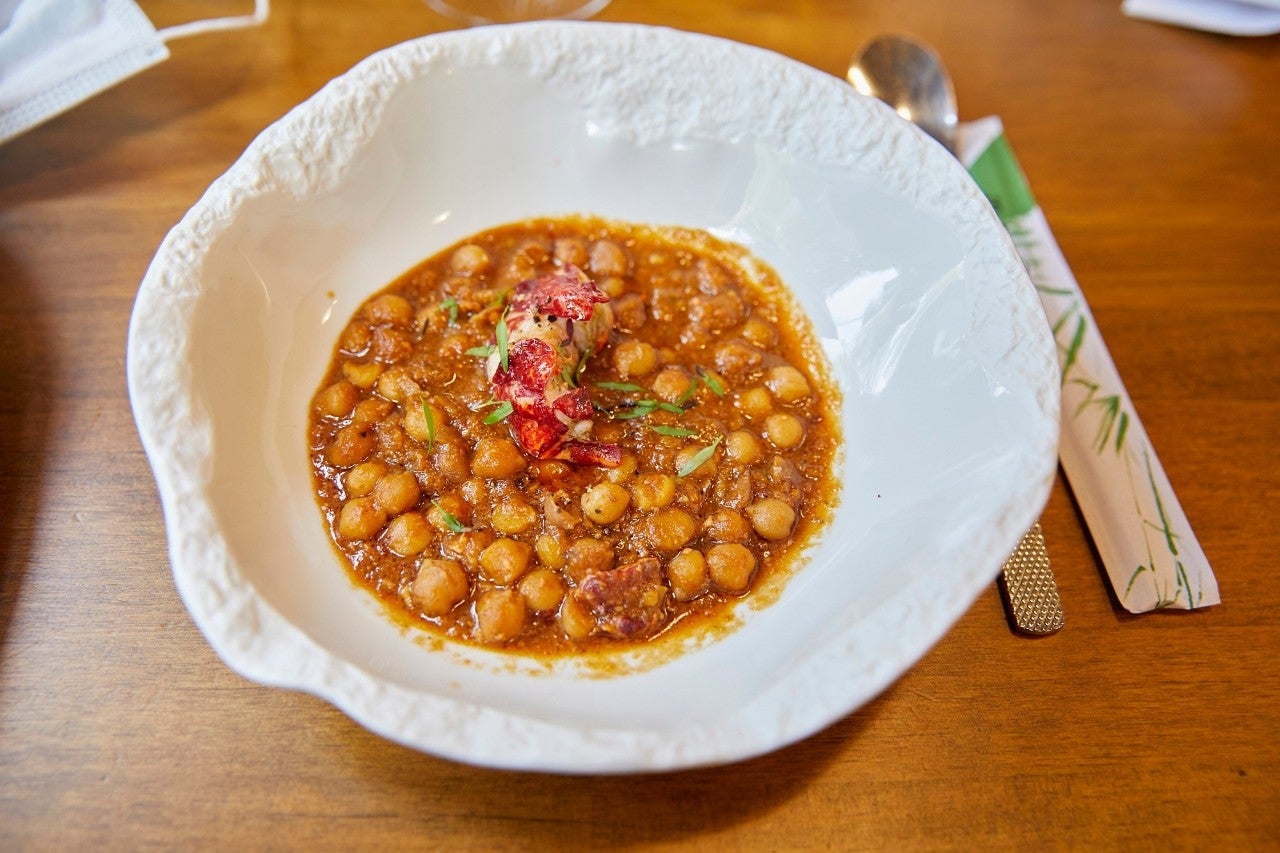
x=1154 y=153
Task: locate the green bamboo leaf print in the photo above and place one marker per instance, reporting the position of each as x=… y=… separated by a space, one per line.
x=1073 y=349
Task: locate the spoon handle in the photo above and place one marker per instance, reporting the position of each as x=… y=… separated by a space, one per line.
x=1029 y=588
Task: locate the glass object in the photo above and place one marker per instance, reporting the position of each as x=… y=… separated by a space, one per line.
x=477 y=12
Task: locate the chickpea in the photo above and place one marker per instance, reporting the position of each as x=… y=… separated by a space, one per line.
x=513 y=515
x=759 y=332
x=653 y=491
x=396 y=384
x=741 y=447
x=570 y=250
x=607 y=258
x=543 y=590
x=604 y=503
x=687 y=574
x=613 y=286
x=755 y=402
x=505 y=560
x=360 y=518
x=587 y=555
x=625 y=469
x=474 y=491
x=772 y=518
x=496 y=458
x=437 y=430
x=390 y=309
x=408 y=534
x=361 y=479
x=725 y=525
x=338 y=399
x=634 y=358
x=368 y=412
x=451 y=461
x=731 y=566
x=575 y=620
x=629 y=312
x=784 y=430
x=454 y=505
x=439 y=586
x=685 y=457
x=397 y=492
x=610 y=431
x=353 y=443
x=787 y=384
x=550 y=550
x=361 y=374
x=470 y=260
x=466 y=547
x=500 y=615
x=671 y=529
x=671 y=384
x=355 y=338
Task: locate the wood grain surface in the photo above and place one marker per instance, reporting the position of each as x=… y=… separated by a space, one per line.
x=1153 y=151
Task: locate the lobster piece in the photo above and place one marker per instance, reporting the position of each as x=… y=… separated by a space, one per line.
x=552 y=324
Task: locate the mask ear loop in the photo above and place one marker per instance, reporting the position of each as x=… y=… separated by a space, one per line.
x=261 y=9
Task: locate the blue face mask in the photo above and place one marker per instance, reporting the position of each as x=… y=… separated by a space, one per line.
x=55 y=54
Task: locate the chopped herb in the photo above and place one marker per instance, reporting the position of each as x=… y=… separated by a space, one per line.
x=698 y=458
x=501 y=298
x=670 y=407
x=674 y=432
x=501 y=413
x=619 y=386
x=481 y=352
x=582 y=363
x=451 y=305
x=501 y=334
x=644 y=407
x=688 y=394
x=450 y=520
x=567 y=374
x=431 y=425
x=716 y=386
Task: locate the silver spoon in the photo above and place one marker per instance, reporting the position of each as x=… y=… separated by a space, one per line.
x=909 y=76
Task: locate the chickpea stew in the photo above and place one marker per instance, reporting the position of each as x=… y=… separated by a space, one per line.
x=571 y=434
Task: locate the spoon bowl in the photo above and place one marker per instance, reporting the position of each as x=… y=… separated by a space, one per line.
x=910 y=77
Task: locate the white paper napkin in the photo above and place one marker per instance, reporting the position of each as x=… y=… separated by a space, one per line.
x=1147 y=546
x=1230 y=17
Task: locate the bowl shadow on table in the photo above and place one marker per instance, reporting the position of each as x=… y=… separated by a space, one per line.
x=27 y=366
x=545 y=811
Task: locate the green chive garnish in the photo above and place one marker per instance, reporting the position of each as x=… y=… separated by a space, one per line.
x=451 y=305
x=644 y=407
x=669 y=407
x=582 y=362
x=698 y=458
x=688 y=394
x=501 y=334
x=504 y=409
x=431 y=425
x=674 y=432
x=619 y=386
x=450 y=520
x=480 y=352
x=716 y=386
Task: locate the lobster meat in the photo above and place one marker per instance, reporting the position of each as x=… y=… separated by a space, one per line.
x=553 y=323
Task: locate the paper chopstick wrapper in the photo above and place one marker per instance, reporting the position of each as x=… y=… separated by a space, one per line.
x=1146 y=544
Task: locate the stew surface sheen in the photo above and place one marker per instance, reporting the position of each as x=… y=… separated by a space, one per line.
x=710 y=439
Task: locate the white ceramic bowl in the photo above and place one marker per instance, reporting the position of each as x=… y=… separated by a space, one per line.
x=935 y=333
